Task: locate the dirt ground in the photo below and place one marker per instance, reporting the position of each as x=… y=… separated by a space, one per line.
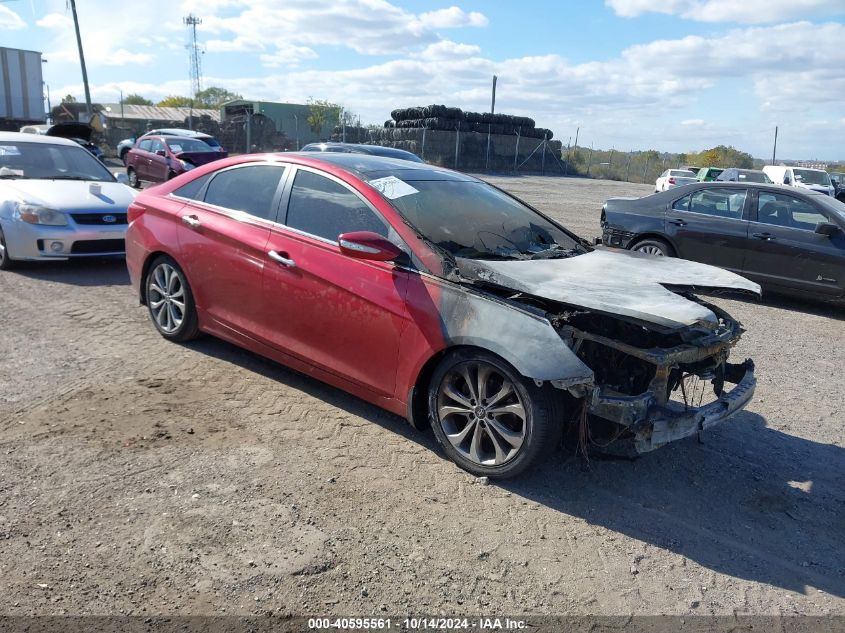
x=142 y=477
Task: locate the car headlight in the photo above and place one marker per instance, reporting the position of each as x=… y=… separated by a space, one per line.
x=35 y=214
x=186 y=165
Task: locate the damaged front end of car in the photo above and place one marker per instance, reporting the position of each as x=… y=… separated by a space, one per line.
x=656 y=387
x=659 y=354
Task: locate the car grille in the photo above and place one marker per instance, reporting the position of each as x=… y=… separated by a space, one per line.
x=97 y=218
x=92 y=247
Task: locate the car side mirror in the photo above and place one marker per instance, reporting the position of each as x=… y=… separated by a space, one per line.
x=368 y=245
x=786 y=180
x=122 y=178
x=827 y=228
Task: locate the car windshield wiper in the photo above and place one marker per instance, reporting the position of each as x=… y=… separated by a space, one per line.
x=555 y=251
x=68 y=178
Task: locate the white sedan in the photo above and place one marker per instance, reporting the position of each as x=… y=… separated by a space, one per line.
x=57 y=201
x=674 y=178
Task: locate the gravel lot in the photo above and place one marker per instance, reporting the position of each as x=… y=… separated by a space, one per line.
x=138 y=476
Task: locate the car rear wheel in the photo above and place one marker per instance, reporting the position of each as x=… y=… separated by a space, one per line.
x=6 y=262
x=490 y=420
x=132 y=175
x=170 y=301
x=654 y=246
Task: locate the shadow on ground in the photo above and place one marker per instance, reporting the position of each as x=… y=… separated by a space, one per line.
x=96 y=271
x=752 y=502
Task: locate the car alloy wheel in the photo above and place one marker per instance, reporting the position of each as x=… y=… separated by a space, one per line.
x=481 y=413
x=650 y=249
x=170 y=301
x=489 y=419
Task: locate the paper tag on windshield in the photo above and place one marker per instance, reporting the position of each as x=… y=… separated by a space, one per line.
x=9 y=150
x=175 y=148
x=391 y=187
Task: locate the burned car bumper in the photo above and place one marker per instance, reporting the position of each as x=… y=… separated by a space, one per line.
x=653 y=424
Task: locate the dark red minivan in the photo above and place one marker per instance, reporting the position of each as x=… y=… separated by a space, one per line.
x=160 y=158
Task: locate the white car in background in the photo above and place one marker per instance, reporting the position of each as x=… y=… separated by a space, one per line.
x=57 y=201
x=674 y=178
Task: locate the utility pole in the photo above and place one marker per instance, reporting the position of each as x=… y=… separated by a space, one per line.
x=775 y=148
x=493 y=102
x=81 y=61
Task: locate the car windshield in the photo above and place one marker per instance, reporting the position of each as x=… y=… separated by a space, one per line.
x=475 y=220
x=834 y=205
x=187 y=145
x=50 y=162
x=812 y=177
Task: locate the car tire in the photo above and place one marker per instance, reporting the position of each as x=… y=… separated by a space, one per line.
x=123 y=154
x=654 y=246
x=132 y=175
x=170 y=300
x=6 y=262
x=463 y=415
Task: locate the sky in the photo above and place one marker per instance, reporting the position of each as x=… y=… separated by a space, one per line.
x=670 y=75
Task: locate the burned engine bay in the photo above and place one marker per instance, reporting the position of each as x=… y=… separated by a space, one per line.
x=654 y=380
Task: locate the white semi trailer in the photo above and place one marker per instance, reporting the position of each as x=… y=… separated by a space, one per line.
x=21 y=88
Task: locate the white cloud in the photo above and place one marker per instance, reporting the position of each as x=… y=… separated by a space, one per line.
x=447 y=49
x=693 y=122
x=453 y=17
x=744 y=11
x=9 y=20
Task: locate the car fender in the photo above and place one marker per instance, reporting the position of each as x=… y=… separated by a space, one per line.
x=446 y=315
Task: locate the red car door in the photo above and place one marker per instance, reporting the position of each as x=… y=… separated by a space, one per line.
x=140 y=158
x=159 y=166
x=223 y=239
x=342 y=315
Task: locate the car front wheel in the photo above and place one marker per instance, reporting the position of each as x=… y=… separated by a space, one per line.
x=654 y=246
x=132 y=175
x=170 y=301
x=6 y=262
x=490 y=420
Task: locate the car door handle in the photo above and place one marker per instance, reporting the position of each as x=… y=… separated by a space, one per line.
x=768 y=237
x=280 y=257
x=191 y=220
x=677 y=222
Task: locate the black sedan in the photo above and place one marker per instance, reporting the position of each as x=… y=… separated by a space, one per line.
x=787 y=240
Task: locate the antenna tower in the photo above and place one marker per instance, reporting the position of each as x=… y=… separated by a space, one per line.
x=191 y=21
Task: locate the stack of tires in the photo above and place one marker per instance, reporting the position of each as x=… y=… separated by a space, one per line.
x=440 y=117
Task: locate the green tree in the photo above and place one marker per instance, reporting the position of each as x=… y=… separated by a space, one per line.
x=68 y=99
x=175 y=101
x=136 y=99
x=214 y=97
x=322 y=113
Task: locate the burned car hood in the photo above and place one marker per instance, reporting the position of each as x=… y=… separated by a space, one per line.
x=615 y=282
x=71 y=130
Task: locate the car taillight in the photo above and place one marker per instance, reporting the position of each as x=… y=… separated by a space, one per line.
x=671 y=181
x=134 y=212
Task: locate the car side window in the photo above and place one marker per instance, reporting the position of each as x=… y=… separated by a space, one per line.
x=251 y=189
x=682 y=204
x=322 y=207
x=779 y=209
x=193 y=188
x=156 y=145
x=723 y=203
x=146 y=144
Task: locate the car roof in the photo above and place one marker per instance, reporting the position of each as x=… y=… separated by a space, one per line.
x=721 y=184
x=379 y=150
x=370 y=166
x=176 y=131
x=22 y=137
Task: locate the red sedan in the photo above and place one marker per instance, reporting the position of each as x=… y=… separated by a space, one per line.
x=434 y=295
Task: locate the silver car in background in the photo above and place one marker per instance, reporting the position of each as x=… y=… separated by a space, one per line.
x=57 y=201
